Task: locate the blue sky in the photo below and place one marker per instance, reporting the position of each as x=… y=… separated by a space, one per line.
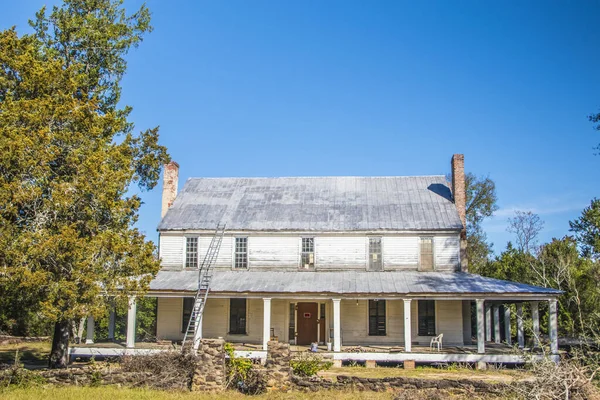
x=302 y=88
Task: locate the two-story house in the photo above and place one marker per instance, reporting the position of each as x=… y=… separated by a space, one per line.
x=340 y=260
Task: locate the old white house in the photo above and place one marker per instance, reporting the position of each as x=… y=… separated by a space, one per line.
x=370 y=261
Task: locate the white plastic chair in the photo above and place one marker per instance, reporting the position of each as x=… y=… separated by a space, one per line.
x=436 y=341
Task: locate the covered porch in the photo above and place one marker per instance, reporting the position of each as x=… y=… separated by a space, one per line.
x=390 y=315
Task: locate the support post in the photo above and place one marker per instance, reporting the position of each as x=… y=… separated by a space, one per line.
x=266 y=321
x=507 y=324
x=91 y=325
x=111 y=324
x=553 y=326
x=488 y=323
x=131 y=316
x=480 y=326
x=496 y=324
x=535 y=315
x=407 y=326
x=337 y=334
x=520 y=329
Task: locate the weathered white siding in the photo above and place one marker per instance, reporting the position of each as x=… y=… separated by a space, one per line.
x=355 y=323
x=446 y=252
x=333 y=252
x=171 y=250
x=169 y=314
x=225 y=256
x=274 y=252
x=400 y=252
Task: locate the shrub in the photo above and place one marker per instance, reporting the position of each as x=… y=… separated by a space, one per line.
x=308 y=364
x=241 y=375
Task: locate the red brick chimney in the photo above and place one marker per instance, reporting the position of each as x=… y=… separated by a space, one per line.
x=460 y=200
x=170 y=183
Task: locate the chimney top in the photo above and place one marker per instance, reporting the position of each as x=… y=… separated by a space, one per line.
x=170 y=183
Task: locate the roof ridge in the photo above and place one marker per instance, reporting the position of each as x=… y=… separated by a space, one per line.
x=317 y=177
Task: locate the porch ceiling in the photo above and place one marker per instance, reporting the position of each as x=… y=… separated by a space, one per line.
x=346 y=283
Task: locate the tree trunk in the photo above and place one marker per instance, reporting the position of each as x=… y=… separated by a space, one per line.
x=59 y=356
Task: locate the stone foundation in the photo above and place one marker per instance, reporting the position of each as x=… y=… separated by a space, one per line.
x=278 y=372
x=210 y=375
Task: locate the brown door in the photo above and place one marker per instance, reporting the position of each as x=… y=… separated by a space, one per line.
x=307 y=323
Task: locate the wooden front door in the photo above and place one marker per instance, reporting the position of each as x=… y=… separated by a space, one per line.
x=307 y=323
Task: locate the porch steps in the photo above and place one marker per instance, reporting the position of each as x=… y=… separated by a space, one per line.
x=205 y=274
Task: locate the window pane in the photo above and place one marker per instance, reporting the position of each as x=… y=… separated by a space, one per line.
x=237 y=316
x=426 y=254
x=191 y=252
x=241 y=253
x=375 y=259
x=427 y=318
x=308 y=253
x=377 y=318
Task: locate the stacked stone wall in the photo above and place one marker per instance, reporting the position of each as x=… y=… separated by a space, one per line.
x=210 y=374
x=278 y=373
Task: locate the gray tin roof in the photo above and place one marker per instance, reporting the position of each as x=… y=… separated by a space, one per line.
x=344 y=282
x=314 y=204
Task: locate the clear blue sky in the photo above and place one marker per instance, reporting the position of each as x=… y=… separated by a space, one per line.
x=301 y=88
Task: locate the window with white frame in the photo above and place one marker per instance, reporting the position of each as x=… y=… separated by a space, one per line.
x=241 y=252
x=375 y=259
x=426 y=254
x=308 y=253
x=377 y=318
x=191 y=252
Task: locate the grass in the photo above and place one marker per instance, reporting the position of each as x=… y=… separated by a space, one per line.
x=30 y=353
x=491 y=376
x=114 y=393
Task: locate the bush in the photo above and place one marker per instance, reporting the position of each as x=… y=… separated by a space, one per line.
x=241 y=375
x=308 y=364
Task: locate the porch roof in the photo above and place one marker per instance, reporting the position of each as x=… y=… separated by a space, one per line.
x=345 y=282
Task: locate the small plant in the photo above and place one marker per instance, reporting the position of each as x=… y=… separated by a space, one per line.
x=96 y=373
x=241 y=375
x=309 y=364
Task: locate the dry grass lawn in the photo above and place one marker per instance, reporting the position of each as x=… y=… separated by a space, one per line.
x=490 y=376
x=113 y=393
x=32 y=354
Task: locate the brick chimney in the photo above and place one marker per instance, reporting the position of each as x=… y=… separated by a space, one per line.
x=460 y=200
x=170 y=182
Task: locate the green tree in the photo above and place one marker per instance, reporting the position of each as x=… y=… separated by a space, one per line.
x=481 y=204
x=69 y=159
x=587 y=230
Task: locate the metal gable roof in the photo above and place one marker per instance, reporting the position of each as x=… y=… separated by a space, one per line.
x=314 y=204
x=344 y=282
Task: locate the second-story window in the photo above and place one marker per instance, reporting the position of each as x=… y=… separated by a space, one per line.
x=308 y=253
x=426 y=256
x=191 y=252
x=241 y=253
x=375 y=260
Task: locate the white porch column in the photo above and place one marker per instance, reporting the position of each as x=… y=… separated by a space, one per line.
x=266 y=321
x=111 y=324
x=496 y=324
x=507 y=324
x=131 y=316
x=91 y=325
x=488 y=323
x=535 y=315
x=407 y=326
x=480 y=326
x=337 y=331
x=553 y=325
x=520 y=330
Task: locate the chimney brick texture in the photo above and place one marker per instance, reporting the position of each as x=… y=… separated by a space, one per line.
x=170 y=183
x=460 y=201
